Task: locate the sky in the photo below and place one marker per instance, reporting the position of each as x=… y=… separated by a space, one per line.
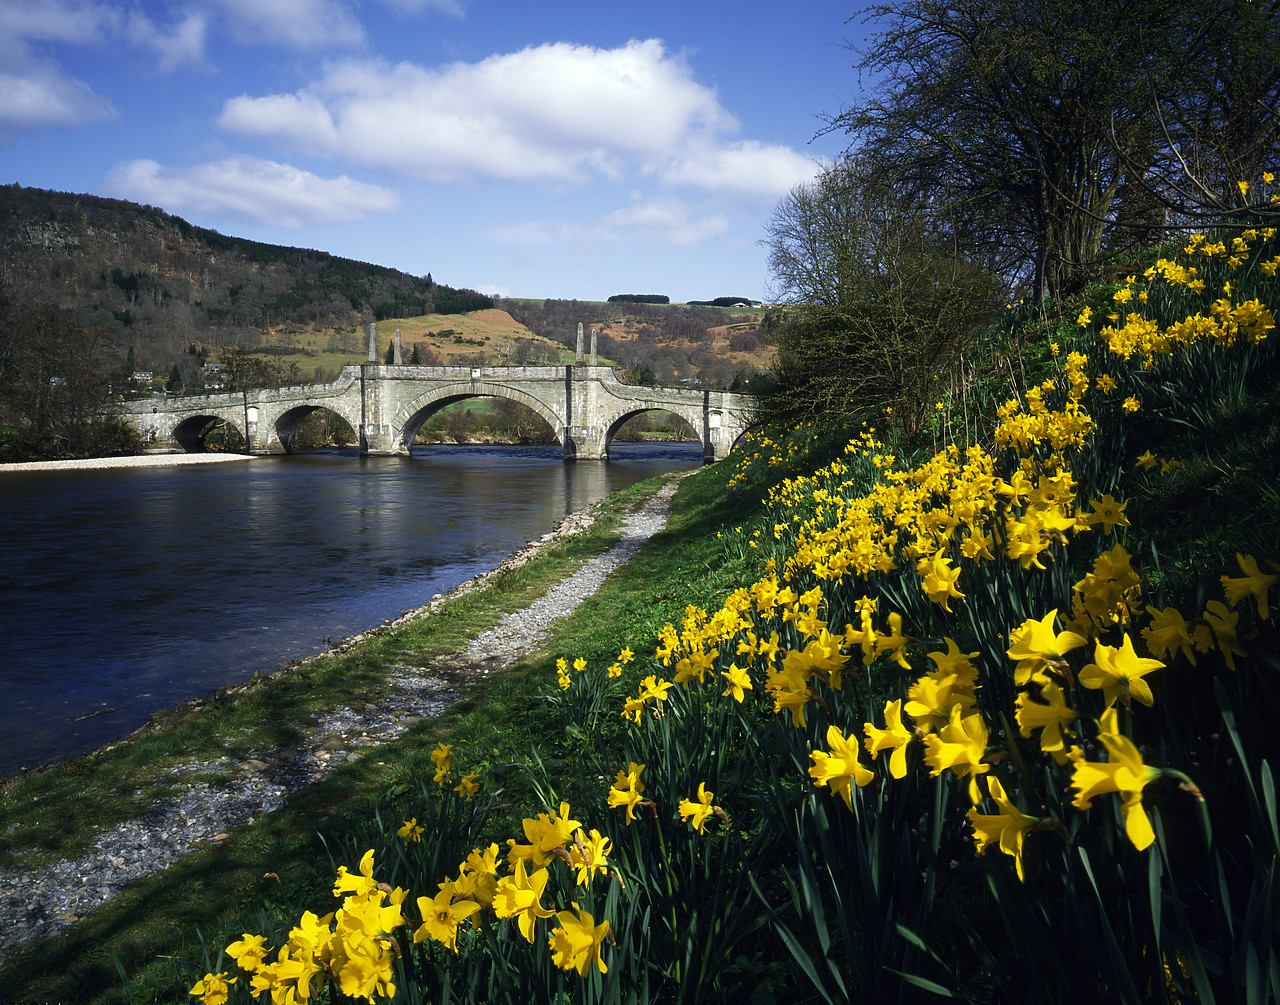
x=564 y=149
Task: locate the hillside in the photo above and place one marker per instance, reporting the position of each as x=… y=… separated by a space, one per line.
x=166 y=293
x=157 y=284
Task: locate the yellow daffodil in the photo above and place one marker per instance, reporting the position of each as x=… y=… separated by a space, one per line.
x=546 y=833
x=1035 y=646
x=1223 y=622
x=589 y=855
x=441 y=917
x=738 y=682
x=895 y=736
x=931 y=699
x=359 y=885
x=1117 y=672
x=1006 y=829
x=626 y=790
x=960 y=746
x=1124 y=773
x=697 y=812
x=213 y=989
x=576 y=942
x=1254 y=583
x=1168 y=633
x=442 y=758
x=938 y=581
x=248 y=952
x=411 y=831
x=1053 y=719
x=519 y=896
x=837 y=769
x=1108 y=512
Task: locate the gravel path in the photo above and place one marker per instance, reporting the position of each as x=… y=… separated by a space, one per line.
x=41 y=904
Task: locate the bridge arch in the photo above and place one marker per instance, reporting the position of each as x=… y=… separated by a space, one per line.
x=290 y=420
x=414 y=415
x=611 y=430
x=191 y=432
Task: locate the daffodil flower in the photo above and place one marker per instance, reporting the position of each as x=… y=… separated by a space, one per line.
x=519 y=896
x=213 y=989
x=1254 y=583
x=837 y=769
x=411 y=831
x=1006 y=829
x=441 y=917
x=626 y=790
x=576 y=942
x=1124 y=773
x=895 y=736
x=1118 y=673
x=697 y=812
x=1036 y=647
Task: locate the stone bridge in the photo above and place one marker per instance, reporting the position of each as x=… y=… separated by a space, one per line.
x=387 y=404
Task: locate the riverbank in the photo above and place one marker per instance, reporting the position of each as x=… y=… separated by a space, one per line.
x=206 y=804
x=131 y=461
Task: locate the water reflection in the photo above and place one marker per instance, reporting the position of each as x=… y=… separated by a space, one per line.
x=134 y=589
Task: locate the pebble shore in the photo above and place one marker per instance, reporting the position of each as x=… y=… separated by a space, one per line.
x=132 y=461
x=44 y=903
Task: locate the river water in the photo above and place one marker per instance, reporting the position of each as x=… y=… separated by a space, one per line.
x=125 y=591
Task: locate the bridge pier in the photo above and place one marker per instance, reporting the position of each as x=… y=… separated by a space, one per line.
x=584 y=443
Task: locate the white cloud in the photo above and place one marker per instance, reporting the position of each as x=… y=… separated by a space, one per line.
x=34 y=92
x=251 y=189
x=302 y=24
x=183 y=44
x=664 y=222
x=748 y=168
x=42 y=97
x=550 y=113
x=454 y=8
x=75 y=22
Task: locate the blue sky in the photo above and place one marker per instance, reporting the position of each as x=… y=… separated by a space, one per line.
x=562 y=149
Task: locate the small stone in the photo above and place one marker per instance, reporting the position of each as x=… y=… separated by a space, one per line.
x=220 y=836
x=255 y=765
x=335 y=743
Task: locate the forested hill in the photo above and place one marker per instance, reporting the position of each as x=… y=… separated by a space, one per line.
x=160 y=284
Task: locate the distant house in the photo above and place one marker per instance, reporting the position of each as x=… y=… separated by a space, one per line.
x=143 y=376
x=212 y=367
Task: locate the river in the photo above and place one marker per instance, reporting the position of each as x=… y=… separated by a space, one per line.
x=126 y=591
